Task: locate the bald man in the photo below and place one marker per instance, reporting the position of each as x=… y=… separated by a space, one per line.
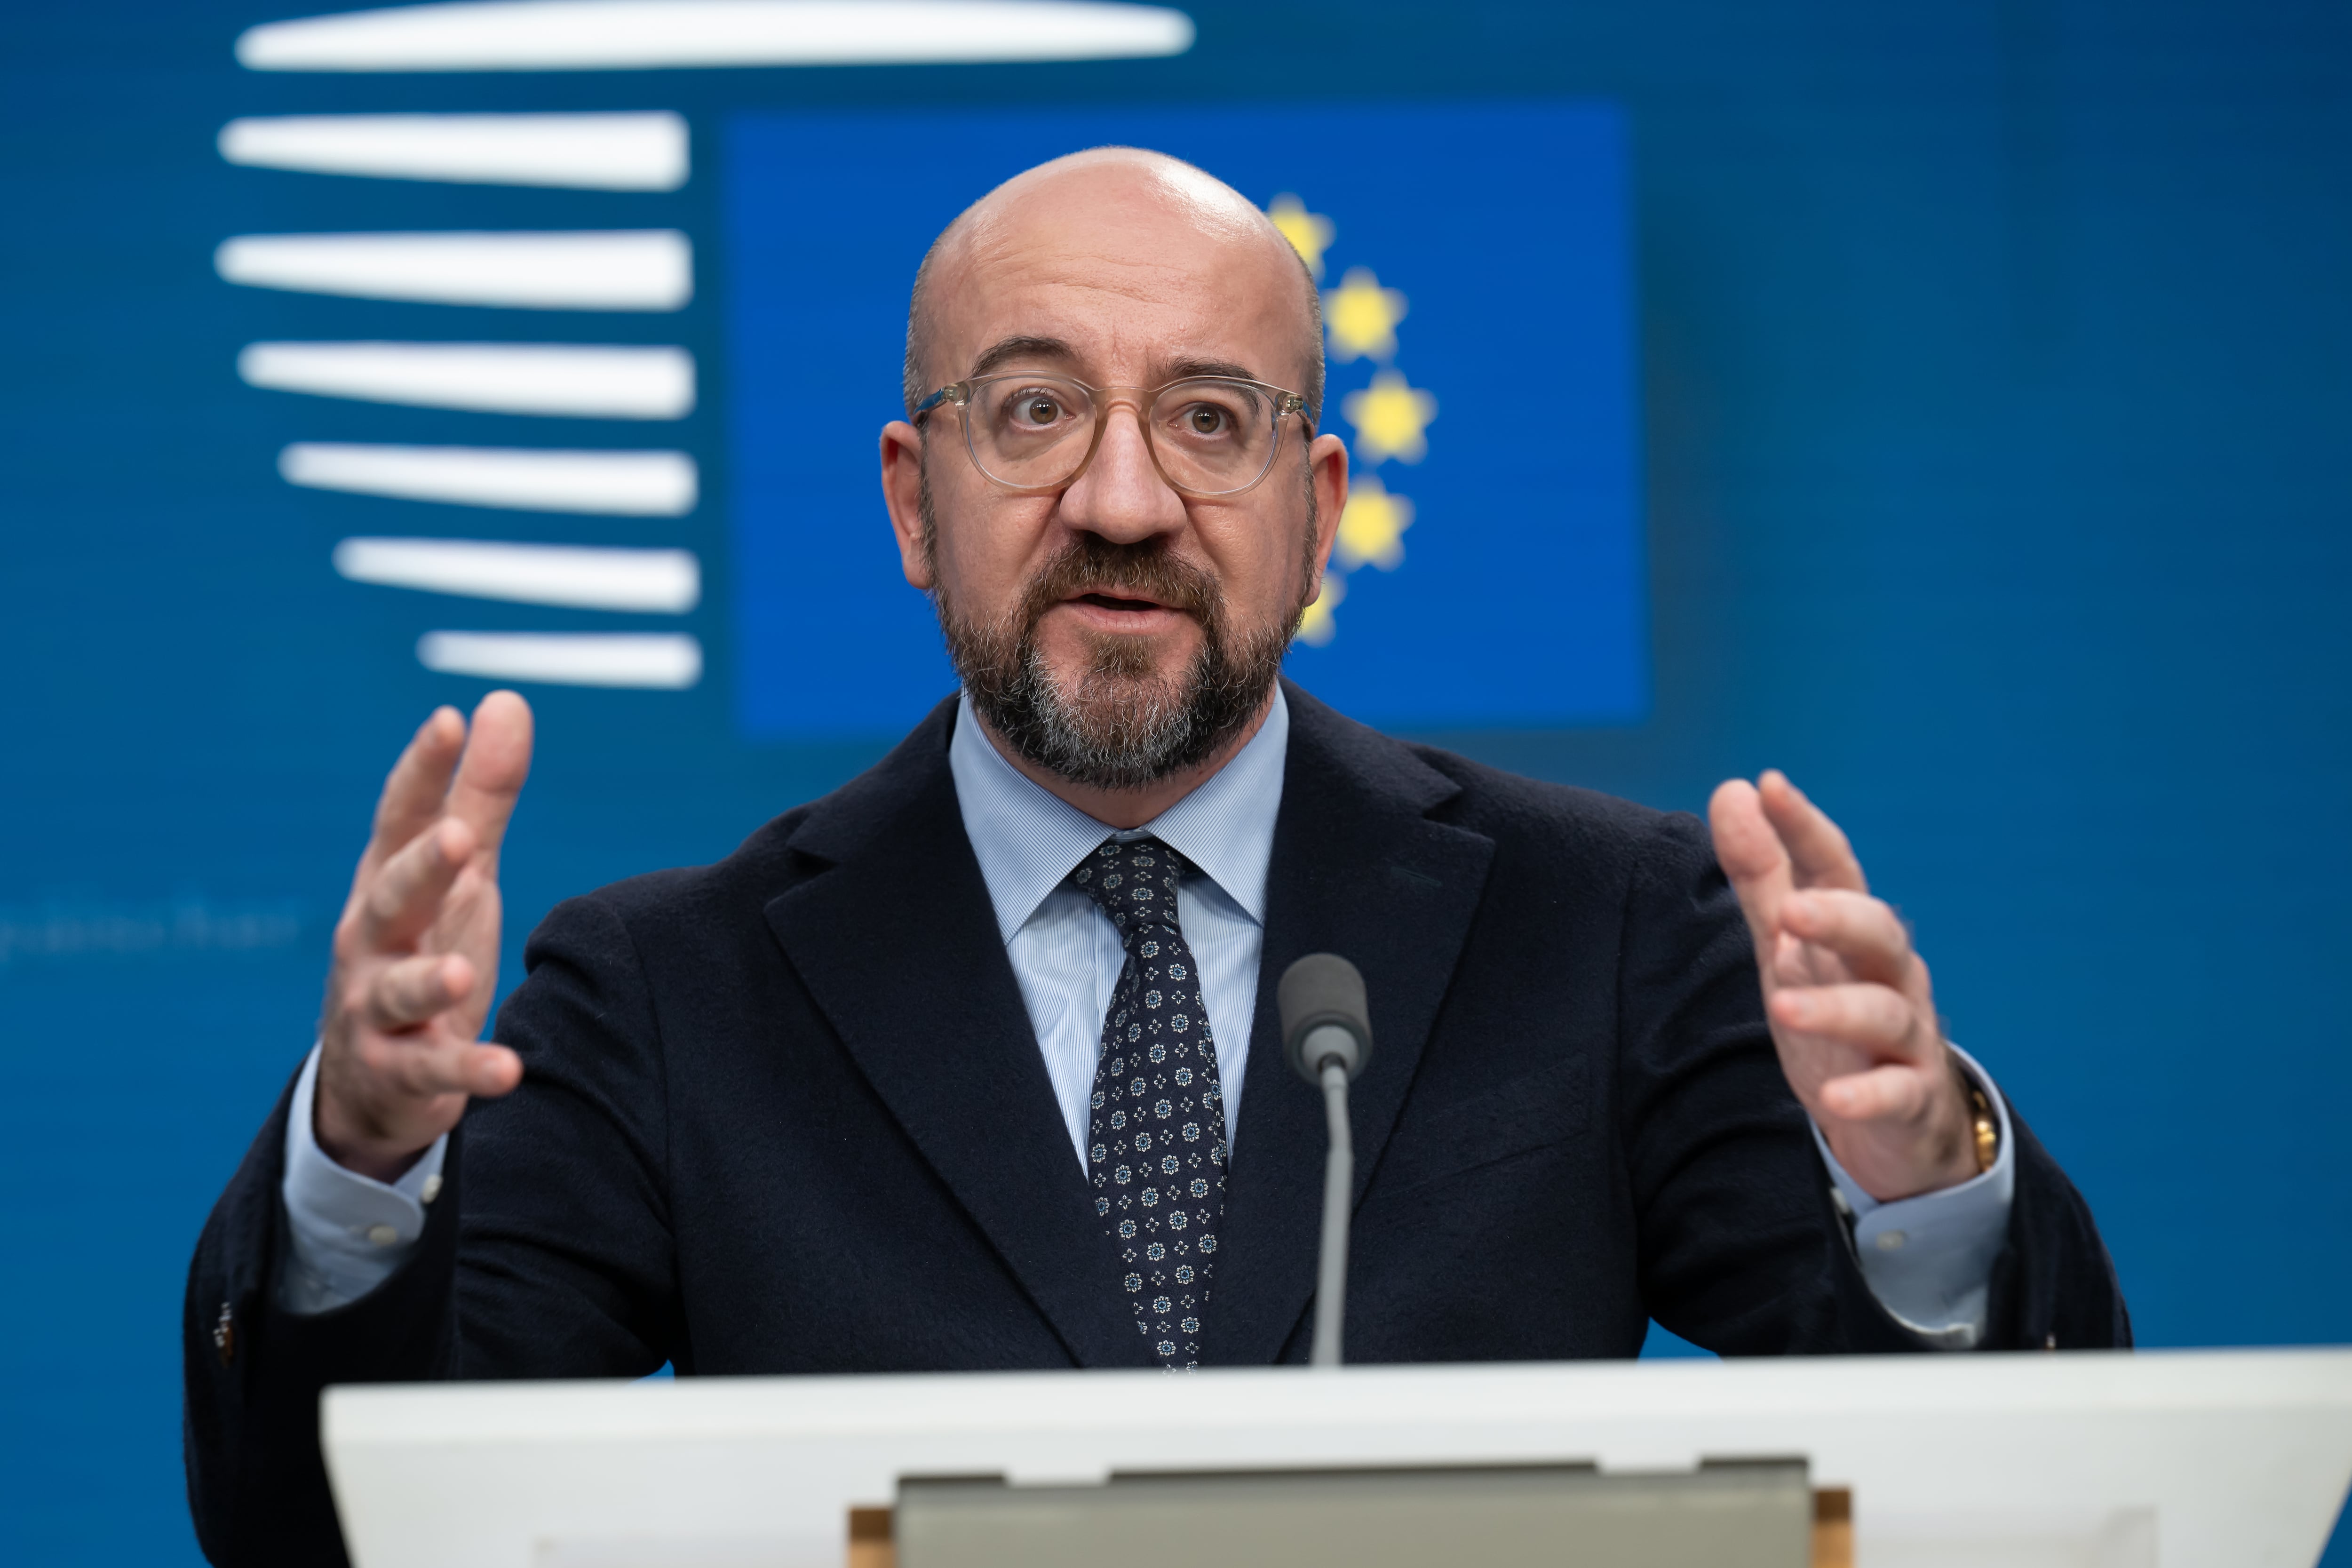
x=974 y=1063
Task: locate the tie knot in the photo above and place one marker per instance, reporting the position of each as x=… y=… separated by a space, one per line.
x=1134 y=882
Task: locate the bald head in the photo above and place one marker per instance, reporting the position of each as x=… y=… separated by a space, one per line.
x=1122 y=221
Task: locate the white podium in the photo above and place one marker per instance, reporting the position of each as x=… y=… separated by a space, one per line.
x=2181 y=1459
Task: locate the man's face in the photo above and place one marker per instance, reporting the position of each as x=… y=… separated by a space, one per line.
x=1119 y=631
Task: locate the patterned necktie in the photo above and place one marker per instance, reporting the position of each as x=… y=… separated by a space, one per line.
x=1156 y=1137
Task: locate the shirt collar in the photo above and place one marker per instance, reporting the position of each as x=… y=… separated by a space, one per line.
x=1027 y=838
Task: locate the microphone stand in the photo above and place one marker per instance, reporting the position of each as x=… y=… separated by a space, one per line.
x=1327 y=1034
x=1338 y=1178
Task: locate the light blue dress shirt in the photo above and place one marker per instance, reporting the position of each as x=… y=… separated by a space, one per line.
x=1927 y=1258
x=1066 y=954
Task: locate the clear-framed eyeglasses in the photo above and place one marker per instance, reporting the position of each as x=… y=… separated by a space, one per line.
x=1209 y=435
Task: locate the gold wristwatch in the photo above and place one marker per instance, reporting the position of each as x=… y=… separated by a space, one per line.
x=1986 y=1131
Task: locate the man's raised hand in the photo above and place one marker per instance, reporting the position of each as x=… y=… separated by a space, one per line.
x=416 y=950
x=1847 y=998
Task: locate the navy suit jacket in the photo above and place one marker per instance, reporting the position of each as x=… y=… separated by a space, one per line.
x=786 y=1114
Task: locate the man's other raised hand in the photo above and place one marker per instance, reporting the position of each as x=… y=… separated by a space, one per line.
x=1847 y=998
x=416 y=950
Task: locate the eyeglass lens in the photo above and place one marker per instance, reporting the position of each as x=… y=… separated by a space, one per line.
x=1211 y=436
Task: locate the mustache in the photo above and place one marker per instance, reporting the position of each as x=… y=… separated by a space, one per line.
x=1149 y=569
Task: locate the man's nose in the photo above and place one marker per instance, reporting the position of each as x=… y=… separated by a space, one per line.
x=1121 y=496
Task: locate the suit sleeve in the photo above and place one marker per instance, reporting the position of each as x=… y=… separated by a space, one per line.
x=1742 y=1247
x=546 y=1253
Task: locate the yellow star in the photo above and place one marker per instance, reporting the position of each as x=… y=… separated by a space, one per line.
x=1371 y=526
x=1389 y=416
x=1362 y=316
x=1310 y=233
x=1318 y=627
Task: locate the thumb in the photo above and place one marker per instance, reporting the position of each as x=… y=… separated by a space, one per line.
x=1751 y=853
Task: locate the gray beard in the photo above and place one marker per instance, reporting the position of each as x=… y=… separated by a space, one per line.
x=1123 y=726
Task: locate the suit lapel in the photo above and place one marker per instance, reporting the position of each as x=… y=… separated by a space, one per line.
x=1360 y=870
x=897 y=944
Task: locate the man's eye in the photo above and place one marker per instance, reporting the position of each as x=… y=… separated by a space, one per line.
x=1039 y=410
x=1206 y=421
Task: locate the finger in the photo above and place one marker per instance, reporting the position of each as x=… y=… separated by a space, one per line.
x=405 y=897
x=1751 y=854
x=1890 y=1093
x=418 y=990
x=498 y=759
x=1858 y=928
x=1819 y=847
x=414 y=790
x=422 y=1066
x=492 y=1070
x=1870 y=1018
x=1796 y=961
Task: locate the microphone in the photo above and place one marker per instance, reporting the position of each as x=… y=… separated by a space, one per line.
x=1327 y=1037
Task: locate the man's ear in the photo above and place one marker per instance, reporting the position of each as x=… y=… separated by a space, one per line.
x=1327 y=470
x=902 y=495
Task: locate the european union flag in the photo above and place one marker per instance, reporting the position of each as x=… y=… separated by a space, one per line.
x=1476 y=267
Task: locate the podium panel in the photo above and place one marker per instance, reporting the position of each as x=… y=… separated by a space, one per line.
x=1744 y=1515
x=2168 y=1459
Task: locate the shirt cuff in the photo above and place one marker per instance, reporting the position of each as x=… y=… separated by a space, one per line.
x=1928 y=1259
x=349 y=1232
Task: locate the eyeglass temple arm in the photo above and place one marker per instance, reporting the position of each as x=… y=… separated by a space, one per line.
x=951 y=392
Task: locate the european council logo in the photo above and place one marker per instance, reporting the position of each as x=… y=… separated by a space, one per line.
x=1476 y=268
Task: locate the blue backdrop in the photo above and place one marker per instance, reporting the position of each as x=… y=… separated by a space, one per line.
x=1987 y=393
